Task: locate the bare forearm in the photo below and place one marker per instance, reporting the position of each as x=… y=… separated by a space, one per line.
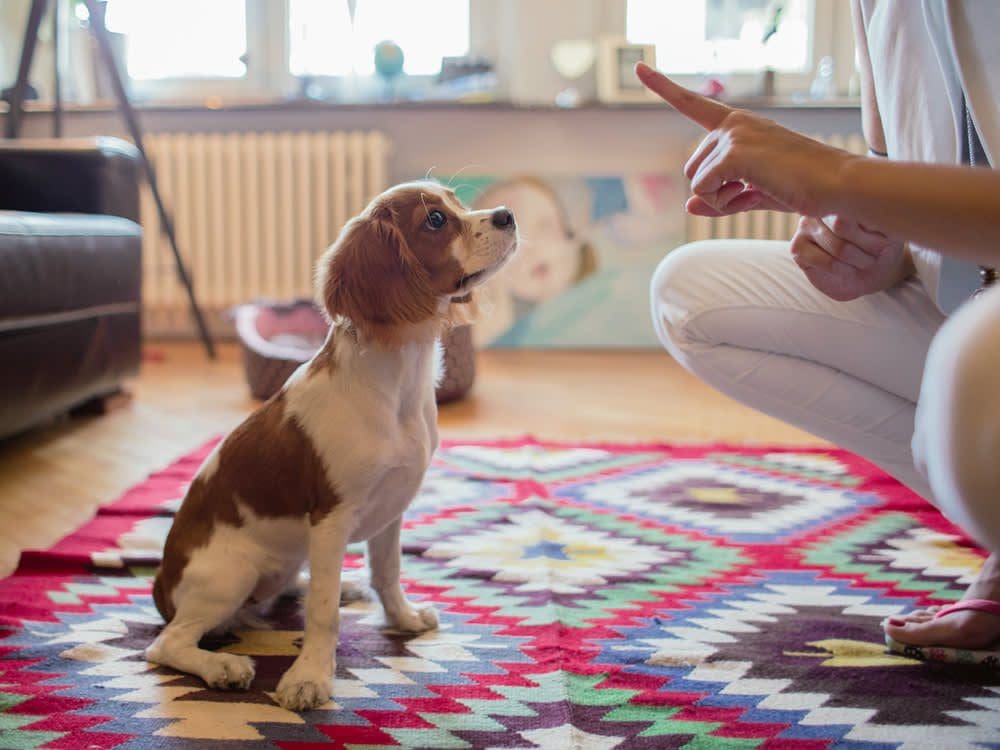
x=955 y=210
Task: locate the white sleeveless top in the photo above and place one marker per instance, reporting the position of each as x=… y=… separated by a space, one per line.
x=924 y=54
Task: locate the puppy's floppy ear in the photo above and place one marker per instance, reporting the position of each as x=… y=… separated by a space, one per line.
x=369 y=276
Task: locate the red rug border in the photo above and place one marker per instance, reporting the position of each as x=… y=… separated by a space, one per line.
x=676 y=448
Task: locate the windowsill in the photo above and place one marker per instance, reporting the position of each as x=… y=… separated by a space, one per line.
x=300 y=105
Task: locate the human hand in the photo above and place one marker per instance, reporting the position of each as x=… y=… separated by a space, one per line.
x=845 y=260
x=748 y=162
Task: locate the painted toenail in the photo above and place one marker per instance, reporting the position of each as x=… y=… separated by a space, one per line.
x=897 y=622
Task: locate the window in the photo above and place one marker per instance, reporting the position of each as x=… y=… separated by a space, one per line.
x=738 y=39
x=262 y=47
x=212 y=36
x=723 y=36
x=324 y=41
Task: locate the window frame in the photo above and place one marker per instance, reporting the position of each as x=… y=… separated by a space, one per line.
x=249 y=85
x=267 y=76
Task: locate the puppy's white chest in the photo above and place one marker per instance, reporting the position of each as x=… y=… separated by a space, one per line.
x=390 y=495
x=373 y=421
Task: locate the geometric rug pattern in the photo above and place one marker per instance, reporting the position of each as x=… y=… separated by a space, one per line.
x=590 y=596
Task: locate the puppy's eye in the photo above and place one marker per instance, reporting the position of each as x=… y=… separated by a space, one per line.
x=436 y=219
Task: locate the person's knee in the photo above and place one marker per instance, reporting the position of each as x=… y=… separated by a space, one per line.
x=969 y=379
x=957 y=437
x=678 y=294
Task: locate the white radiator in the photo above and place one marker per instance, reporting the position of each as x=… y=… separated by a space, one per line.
x=252 y=212
x=763 y=225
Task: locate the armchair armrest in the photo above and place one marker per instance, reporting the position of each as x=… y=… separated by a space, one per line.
x=75 y=175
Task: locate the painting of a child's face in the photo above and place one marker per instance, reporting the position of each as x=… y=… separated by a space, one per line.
x=548 y=259
x=589 y=245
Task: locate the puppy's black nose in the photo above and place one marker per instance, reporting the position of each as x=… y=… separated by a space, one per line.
x=503 y=219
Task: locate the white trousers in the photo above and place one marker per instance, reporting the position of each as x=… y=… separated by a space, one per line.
x=884 y=376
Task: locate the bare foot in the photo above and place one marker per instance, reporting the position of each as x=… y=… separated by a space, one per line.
x=963 y=629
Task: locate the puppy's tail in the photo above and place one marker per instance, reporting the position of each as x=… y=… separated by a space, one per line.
x=244 y=619
x=163 y=604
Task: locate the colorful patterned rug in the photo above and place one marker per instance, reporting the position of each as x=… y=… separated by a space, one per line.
x=591 y=596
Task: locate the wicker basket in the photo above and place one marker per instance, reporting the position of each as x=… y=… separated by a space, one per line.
x=459 y=364
x=275 y=338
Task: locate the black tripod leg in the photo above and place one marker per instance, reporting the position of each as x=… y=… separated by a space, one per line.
x=12 y=127
x=132 y=122
x=57 y=108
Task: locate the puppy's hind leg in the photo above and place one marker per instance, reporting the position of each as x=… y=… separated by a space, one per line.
x=204 y=602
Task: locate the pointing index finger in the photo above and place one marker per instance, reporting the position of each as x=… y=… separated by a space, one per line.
x=700 y=109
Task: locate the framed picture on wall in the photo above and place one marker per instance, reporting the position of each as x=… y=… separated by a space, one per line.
x=616 y=80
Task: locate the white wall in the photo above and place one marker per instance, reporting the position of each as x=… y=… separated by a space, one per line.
x=489 y=139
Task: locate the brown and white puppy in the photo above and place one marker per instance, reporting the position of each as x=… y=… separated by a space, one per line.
x=338 y=454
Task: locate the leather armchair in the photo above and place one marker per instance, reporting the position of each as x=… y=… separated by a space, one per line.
x=70 y=275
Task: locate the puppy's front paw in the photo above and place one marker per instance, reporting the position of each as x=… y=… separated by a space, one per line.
x=228 y=672
x=300 y=691
x=412 y=620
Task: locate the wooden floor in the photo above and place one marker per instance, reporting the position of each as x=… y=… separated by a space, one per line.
x=52 y=480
